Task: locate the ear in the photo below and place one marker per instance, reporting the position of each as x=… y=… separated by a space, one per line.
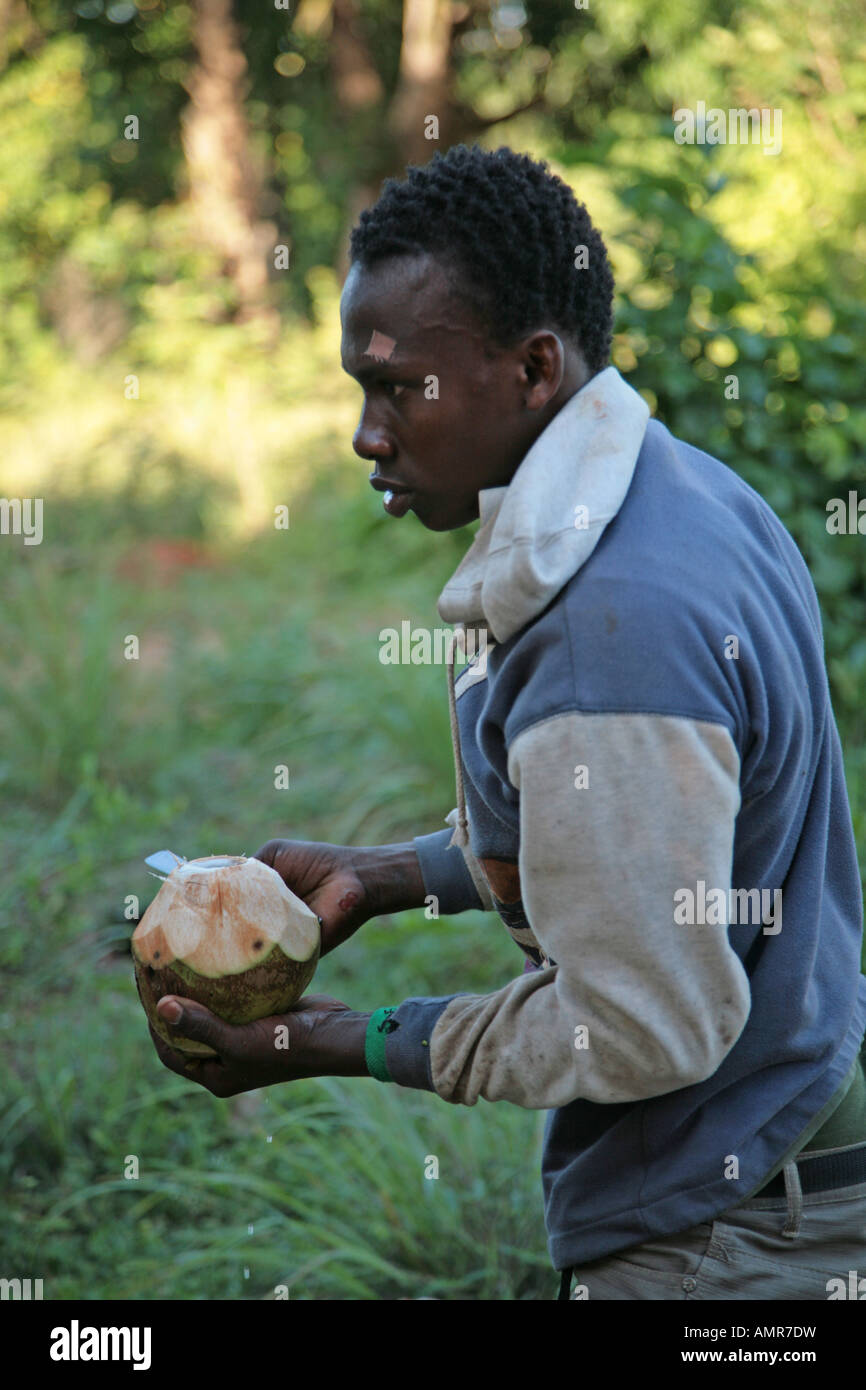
x=543 y=366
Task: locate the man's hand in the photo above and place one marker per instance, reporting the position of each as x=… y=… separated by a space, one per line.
x=321 y=1036
x=345 y=885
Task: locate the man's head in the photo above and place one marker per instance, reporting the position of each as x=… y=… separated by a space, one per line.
x=478 y=301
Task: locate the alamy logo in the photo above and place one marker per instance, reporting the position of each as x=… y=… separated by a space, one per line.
x=856 y=1287
x=76 y=1343
x=422 y=647
x=22 y=516
x=735 y=127
x=846 y=521
x=20 y=1288
x=716 y=907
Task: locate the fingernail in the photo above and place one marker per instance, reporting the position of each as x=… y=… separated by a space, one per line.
x=172 y=1013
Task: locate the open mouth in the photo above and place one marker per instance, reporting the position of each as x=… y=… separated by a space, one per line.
x=396 y=499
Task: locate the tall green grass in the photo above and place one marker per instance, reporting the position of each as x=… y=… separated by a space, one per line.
x=266 y=654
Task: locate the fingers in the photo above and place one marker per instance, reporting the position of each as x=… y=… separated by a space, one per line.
x=175 y=1061
x=184 y=1018
x=268 y=852
x=209 y=1072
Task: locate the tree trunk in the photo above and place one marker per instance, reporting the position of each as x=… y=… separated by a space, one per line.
x=18 y=30
x=425 y=88
x=424 y=85
x=226 y=184
x=355 y=80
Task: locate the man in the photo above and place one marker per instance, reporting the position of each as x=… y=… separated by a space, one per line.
x=649 y=777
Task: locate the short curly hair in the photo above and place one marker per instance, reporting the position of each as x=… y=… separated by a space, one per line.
x=510 y=229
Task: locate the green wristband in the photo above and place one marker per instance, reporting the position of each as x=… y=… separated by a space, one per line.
x=374 y=1043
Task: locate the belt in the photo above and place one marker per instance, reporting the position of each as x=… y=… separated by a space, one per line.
x=822 y=1173
x=841 y=1166
x=844 y=1133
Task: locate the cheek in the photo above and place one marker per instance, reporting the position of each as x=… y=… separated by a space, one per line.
x=433 y=427
x=460 y=434
x=458 y=417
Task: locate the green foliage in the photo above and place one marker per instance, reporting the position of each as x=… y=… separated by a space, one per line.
x=259 y=647
x=768 y=382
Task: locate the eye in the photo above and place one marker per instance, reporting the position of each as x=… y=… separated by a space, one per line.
x=392 y=388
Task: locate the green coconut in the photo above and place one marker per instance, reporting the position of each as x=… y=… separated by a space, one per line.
x=227 y=932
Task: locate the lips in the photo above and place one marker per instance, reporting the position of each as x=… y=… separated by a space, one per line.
x=387 y=484
x=398 y=497
x=398 y=503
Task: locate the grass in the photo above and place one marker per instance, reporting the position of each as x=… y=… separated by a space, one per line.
x=258 y=648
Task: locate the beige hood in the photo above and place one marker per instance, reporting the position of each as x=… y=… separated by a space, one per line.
x=537 y=532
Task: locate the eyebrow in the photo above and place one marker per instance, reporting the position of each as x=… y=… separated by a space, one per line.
x=367 y=370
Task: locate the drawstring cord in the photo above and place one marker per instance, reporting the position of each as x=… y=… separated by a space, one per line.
x=461 y=830
x=458 y=817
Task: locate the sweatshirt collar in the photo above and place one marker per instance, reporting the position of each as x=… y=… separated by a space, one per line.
x=537 y=532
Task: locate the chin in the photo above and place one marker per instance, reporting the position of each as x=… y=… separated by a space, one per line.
x=442 y=521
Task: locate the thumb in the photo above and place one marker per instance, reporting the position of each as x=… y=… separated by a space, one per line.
x=185 y=1018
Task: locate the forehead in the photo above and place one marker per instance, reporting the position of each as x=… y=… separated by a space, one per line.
x=412 y=301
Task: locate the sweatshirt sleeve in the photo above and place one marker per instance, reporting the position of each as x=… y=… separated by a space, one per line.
x=635 y=1005
x=453 y=876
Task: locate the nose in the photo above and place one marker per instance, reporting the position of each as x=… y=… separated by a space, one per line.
x=370 y=440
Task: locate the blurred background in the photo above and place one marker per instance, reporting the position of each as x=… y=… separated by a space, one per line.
x=177 y=184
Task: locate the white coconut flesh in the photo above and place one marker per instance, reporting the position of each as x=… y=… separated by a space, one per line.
x=223 y=915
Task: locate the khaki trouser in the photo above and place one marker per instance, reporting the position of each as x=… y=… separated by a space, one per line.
x=799 y=1247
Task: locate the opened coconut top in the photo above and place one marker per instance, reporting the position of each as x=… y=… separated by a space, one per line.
x=222 y=915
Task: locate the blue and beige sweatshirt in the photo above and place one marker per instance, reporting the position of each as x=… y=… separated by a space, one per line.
x=651 y=799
